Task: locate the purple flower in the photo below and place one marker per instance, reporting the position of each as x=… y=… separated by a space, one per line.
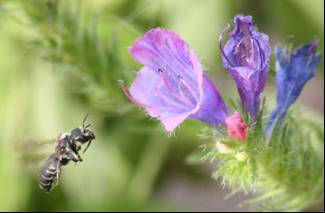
x=171 y=85
x=293 y=72
x=246 y=56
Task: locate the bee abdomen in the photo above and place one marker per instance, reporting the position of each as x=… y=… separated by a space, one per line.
x=49 y=173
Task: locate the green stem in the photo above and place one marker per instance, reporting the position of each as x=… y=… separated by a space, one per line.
x=149 y=165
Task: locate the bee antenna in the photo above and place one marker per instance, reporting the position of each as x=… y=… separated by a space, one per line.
x=84 y=121
x=88 y=125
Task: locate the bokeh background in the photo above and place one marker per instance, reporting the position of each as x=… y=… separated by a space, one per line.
x=62 y=59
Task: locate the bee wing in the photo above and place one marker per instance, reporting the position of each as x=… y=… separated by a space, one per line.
x=28 y=145
x=33 y=159
x=31 y=153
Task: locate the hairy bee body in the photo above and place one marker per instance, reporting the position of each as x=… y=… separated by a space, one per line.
x=67 y=147
x=50 y=172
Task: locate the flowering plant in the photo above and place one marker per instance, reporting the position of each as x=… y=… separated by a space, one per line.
x=269 y=155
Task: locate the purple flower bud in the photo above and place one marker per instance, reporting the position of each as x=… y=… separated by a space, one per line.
x=246 y=56
x=293 y=72
x=172 y=86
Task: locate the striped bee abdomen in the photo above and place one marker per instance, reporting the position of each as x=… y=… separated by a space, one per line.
x=49 y=173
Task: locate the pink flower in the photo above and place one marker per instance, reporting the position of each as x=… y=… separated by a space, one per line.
x=236 y=126
x=171 y=85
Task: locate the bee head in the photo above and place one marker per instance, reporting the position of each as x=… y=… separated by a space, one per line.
x=87 y=133
x=82 y=134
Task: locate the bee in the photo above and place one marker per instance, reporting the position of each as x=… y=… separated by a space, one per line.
x=50 y=172
x=67 y=147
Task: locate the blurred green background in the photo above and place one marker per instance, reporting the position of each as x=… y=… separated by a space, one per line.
x=62 y=59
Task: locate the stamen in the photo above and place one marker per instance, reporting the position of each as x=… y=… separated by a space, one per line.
x=161 y=73
x=220 y=44
x=261 y=53
x=168 y=99
x=133 y=100
x=128 y=95
x=180 y=78
x=246 y=51
x=175 y=94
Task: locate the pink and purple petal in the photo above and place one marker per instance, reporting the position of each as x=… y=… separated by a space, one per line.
x=246 y=57
x=213 y=109
x=171 y=85
x=150 y=92
x=165 y=50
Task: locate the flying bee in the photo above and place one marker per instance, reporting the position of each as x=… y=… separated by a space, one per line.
x=67 y=147
x=82 y=135
x=66 y=150
x=50 y=172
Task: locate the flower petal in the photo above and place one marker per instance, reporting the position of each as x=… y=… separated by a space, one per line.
x=246 y=56
x=163 y=49
x=171 y=85
x=148 y=90
x=293 y=72
x=213 y=109
x=236 y=126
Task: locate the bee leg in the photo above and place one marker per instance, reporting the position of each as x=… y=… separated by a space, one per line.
x=86 y=147
x=58 y=172
x=78 y=157
x=57 y=177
